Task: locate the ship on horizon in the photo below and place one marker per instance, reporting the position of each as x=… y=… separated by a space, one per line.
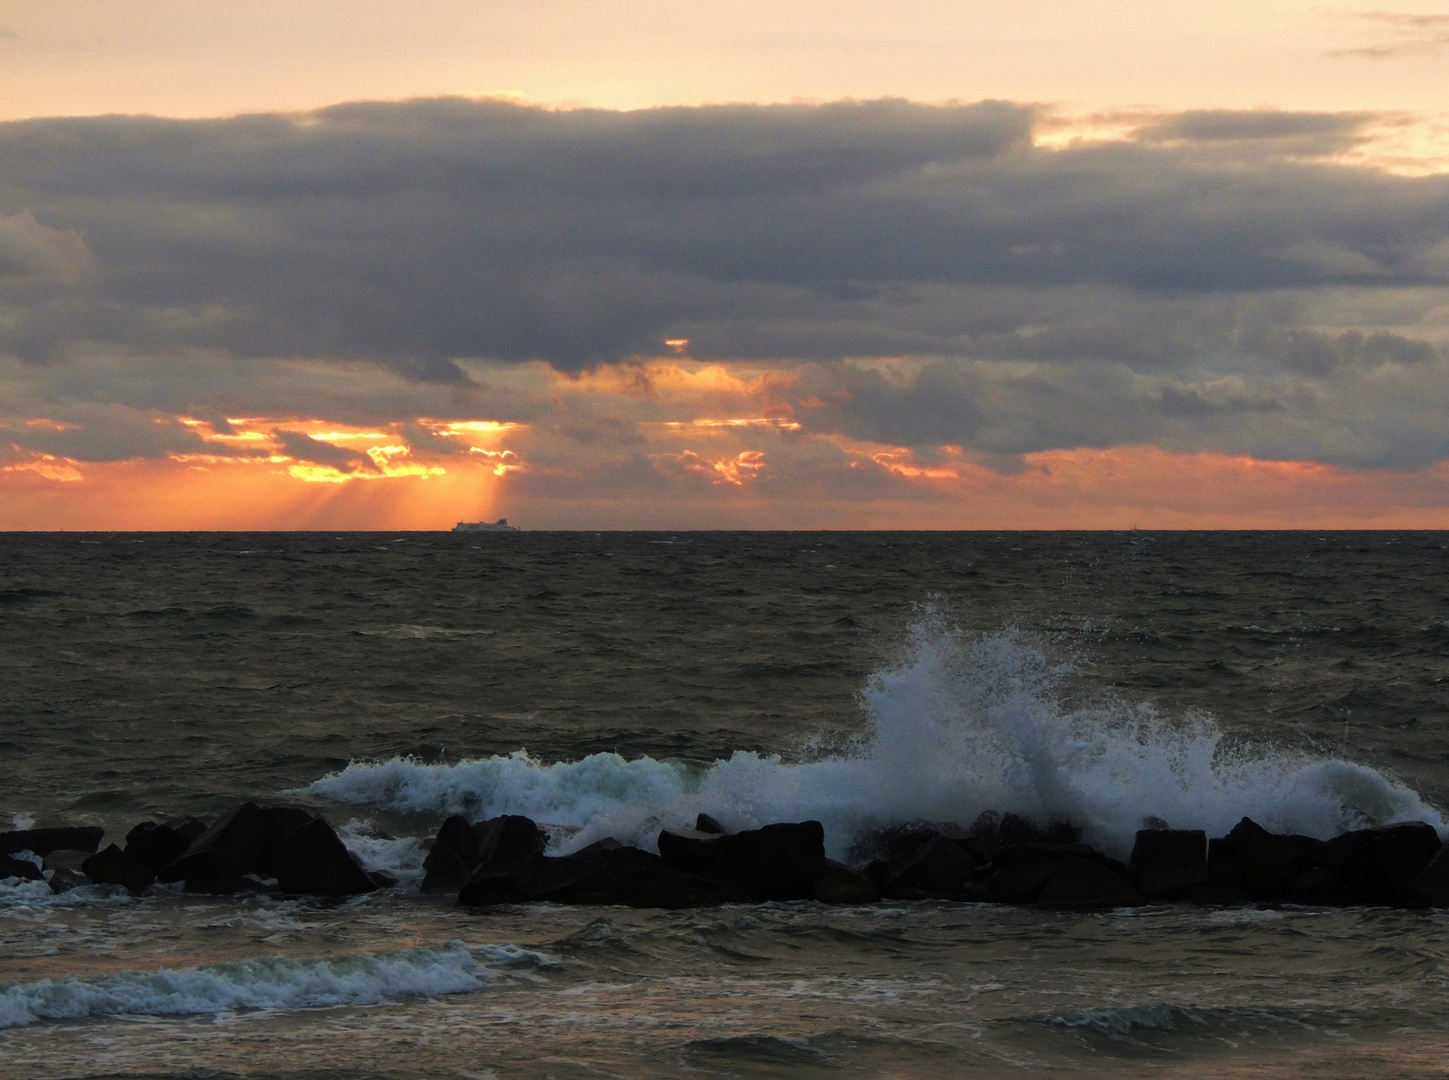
x=501 y=525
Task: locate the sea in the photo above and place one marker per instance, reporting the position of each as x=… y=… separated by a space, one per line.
x=615 y=683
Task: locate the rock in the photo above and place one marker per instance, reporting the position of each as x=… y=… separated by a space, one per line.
x=937 y=870
x=1016 y=829
x=987 y=826
x=1020 y=870
x=64 y=860
x=705 y=823
x=1267 y=866
x=282 y=822
x=230 y=848
x=112 y=866
x=691 y=850
x=891 y=843
x=1017 y=879
x=19 y=868
x=314 y=862
x=1078 y=883
x=1431 y=887
x=503 y=841
x=382 y=879
x=776 y=862
x=842 y=885
x=44 y=841
x=65 y=879
x=1164 y=862
x=1378 y=865
x=627 y=875
x=156 y=845
x=452 y=858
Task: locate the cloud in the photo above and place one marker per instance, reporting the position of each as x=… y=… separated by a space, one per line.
x=414 y=234
x=300 y=446
x=1412 y=34
x=871 y=295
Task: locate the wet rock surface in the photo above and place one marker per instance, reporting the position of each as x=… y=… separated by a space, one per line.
x=998 y=858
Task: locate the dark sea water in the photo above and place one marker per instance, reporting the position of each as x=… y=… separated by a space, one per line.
x=612 y=683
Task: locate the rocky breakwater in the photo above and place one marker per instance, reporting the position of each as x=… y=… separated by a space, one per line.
x=250 y=848
x=998 y=858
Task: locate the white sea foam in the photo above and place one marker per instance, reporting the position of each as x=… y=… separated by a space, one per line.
x=955 y=726
x=269 y=983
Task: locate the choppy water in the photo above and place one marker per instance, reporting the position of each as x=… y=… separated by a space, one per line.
x=611 y=683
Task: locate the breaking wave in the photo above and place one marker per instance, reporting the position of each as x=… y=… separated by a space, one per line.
x=956 y=725
x=270 y=983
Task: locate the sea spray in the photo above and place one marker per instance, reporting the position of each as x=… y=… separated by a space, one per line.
x=955 y=725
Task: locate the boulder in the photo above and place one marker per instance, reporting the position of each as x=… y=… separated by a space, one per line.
x=18 y=868
x=156 y=845
x=937 y=870
x=691 y=850
x=281 y=822
x=112 y=866
x=65 y=879
x=230 y=848
x=1165 y=862
x=1431 y=887
x=775 y=862
x=313 y=861
x=1267 y=866
x=842 y=885
x=503 y=841
x=705 y=823
x=1078 y=883
x=44 y=841
x=627 y=875
x=891 y=843
x=63 y=860
x=1018 y=829
x=1377 y=865
x=452 y=858
x=1017 y=880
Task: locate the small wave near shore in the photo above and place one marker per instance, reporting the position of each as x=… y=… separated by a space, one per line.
x=955 y=725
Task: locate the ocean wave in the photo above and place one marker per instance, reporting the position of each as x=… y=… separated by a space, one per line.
x=269 y=983
x=954 y=726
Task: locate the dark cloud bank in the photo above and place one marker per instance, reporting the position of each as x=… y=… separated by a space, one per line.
x=1214 y=282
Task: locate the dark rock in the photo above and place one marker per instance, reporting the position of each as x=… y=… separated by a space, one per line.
x=1166 y=861
x=626 y=875
x=842 y=885
x=230 y=848
x=282 y=822
x=64 y=860
x=112 y=866
x=987 y=826
x=503 y=841
x=1377 y=865
x=44 y=841
x=937 y=870
x=314 y=862
x=1079 y=883
x=382 y=879
x=452 y=858
x=188 y=826
x=65 y=879
x=19 y=868
x=1017 y=880
x=1267 y=866
x=1016 y=829
x=705 y=823
x=891 y=843
x=155 y=845
x=776 y=862
x=691 y=850
x=1431 y=887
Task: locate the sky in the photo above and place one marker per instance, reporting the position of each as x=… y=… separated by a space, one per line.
x=324 y=265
